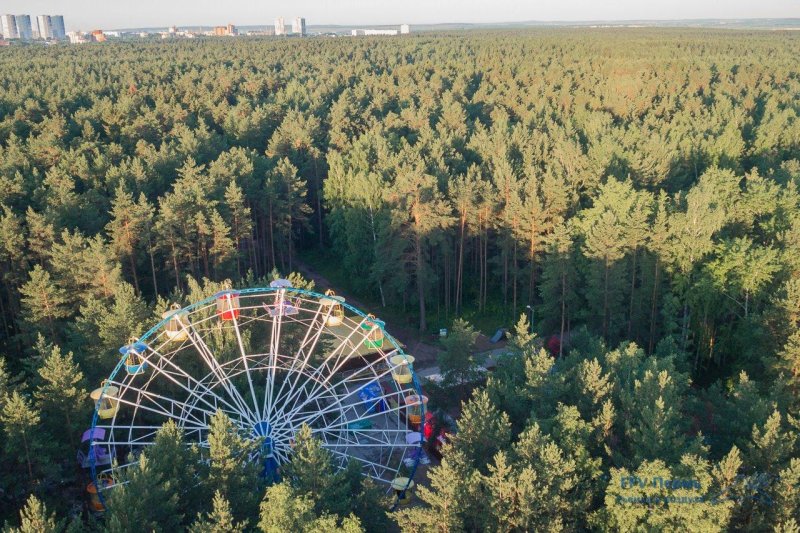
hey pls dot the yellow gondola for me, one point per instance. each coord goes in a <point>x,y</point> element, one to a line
<point>336,315</point>
<point>107,402</point>
<point>176,325</point>
<point>403,489</point>
<point>401,368</point>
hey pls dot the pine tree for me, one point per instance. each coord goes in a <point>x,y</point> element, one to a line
<point>418,213</point>
<point>145,500</point>
<point>558,284</point>
<point>173,460</point>
<point>463,192</point>
<point>40,236</point>
<point>61,395</point>
<point>482,430</point>
<point>457,361</point>
<point>239,219</point>
<point>514,503</point>
<point>311,472</point>
<point>128,228</point>
<point>230,470</point>
<point>453,501</point>
<point>654,505</point>
<point>20,421</point>
<point>604,227</point>
<point>44,304</point>
<point>219,520</point>
<point>35,518</point>
<point>287,211</point>
<point>771,446</point>
<point>282,509</point>
<point>103,328</point>
<point>222,246</point>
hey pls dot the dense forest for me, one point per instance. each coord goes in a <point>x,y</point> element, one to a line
<point>639,189</point>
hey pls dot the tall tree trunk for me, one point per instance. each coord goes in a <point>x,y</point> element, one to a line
<point>27,457</point>
<point>271,236</point>
<point>605,301</point>
<point>420,283</point>
<point>152,263</point>
<point>319,202</point>
<point>653,306</point>
<point>236,242</point>
<point>175,264</point>
<point>133,271</point>
<point>290,245</point>
<point>460,273</point>
<point>505,275</point>
<point>633,288</point>
<point>563,311</point>
<point>481,264</point>
<point>375,252</point>
<point>485,267</point>
<point>514,277</point>
<point>6,332</point>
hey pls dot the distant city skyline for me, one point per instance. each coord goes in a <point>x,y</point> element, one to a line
<point>115,14</point>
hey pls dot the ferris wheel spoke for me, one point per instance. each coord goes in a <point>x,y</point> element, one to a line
<point>159,408</point>
<point>369,367</point>
<point>368,416</point>
<point>274,347</point>
<point>317,372</point>
<point>379,470</point>
<point>343,408</point>
<point>247,370</point>
<point>366,437</point>
<point>180,411</point>
<point>208,357</point>
<point>317,334</point>
<point>180,372</point>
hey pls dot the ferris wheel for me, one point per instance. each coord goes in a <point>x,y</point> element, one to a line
<point>271,359</point>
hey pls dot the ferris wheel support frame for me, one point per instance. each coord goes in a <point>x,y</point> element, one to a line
<point>270,400</point>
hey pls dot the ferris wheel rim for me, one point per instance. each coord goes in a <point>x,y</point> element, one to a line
<point>248,292</point>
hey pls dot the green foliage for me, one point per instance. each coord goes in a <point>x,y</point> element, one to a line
<point>230,470</point>
<point>638,189</point>
<point>35,518</point>
<point>148,501</point>
<point>457,361</point>
<point>284,509</point>
<point>219,520</point>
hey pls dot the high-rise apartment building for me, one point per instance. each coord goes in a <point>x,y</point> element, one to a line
<point>24,28</point>
<point>280,27</point>
<point>299,26</point>
<point>57,26</point>
<point>8,26</point>
<point>44,27</point>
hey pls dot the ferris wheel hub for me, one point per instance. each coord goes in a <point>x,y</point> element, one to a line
<point>262,429</point>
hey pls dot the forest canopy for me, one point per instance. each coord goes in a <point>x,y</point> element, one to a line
<point>637,188</point>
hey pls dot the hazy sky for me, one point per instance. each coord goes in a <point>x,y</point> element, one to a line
<point>109,14</point>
